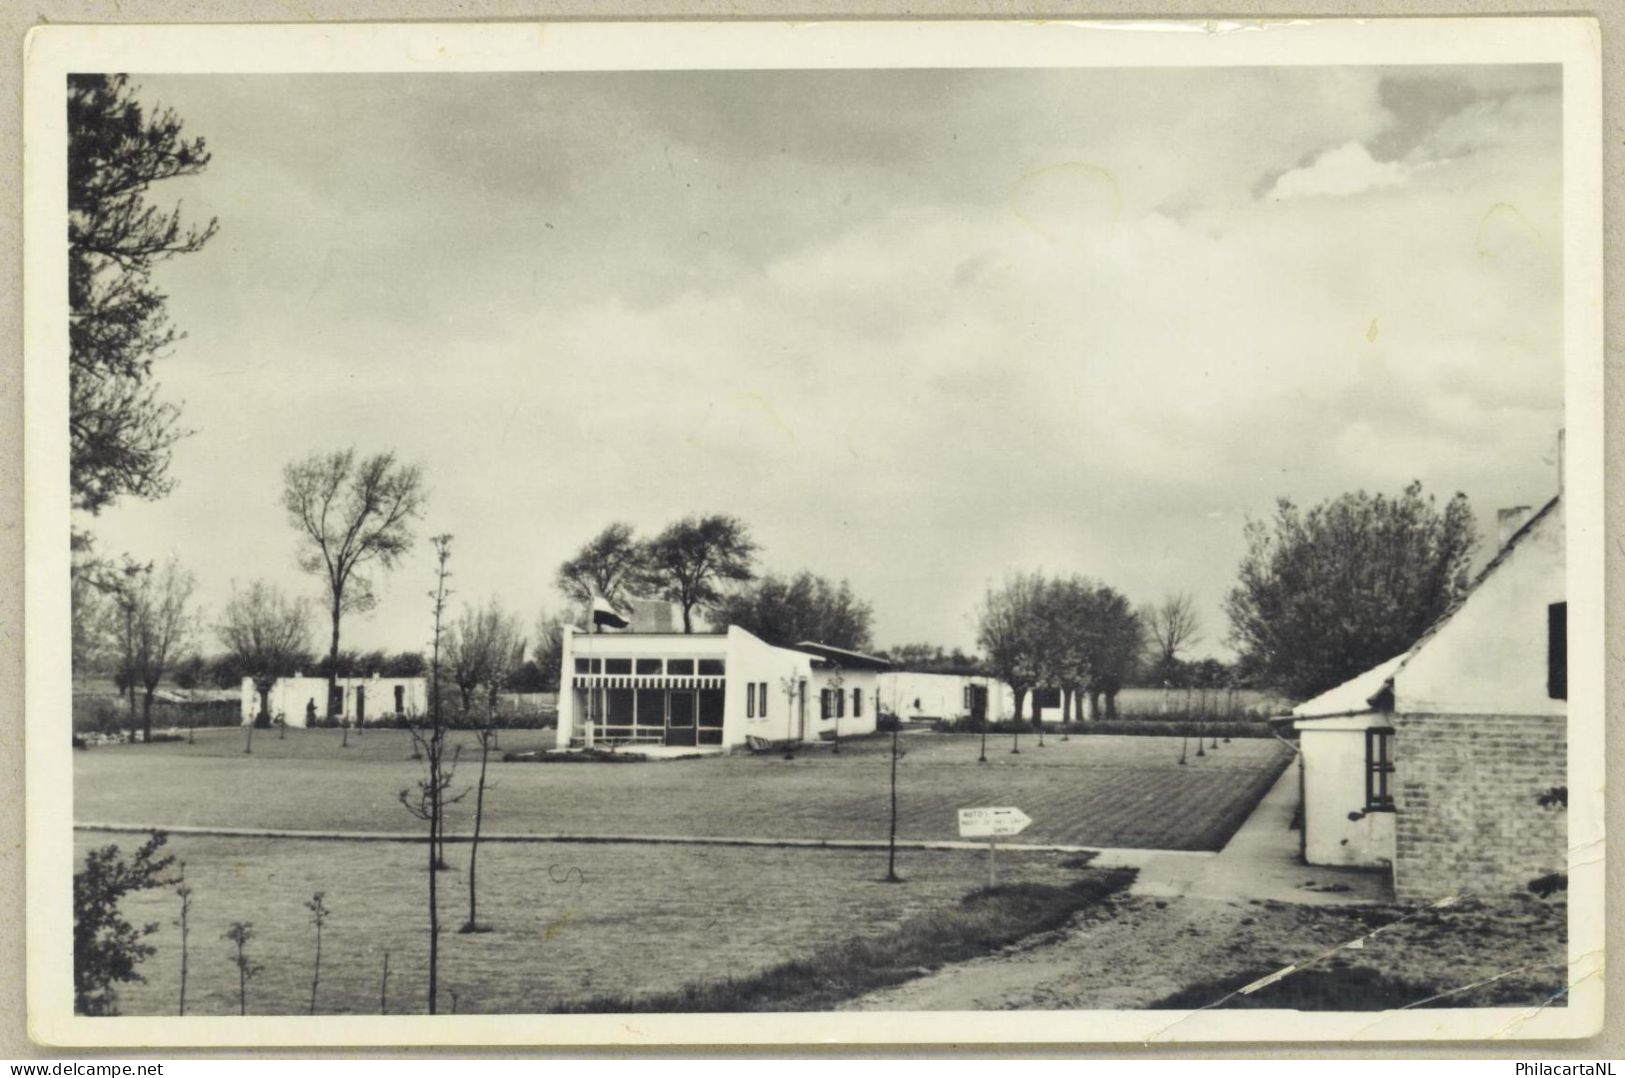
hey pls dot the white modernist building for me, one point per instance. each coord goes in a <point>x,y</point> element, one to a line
<point>717,690</point>
<point>297,700</point>
<point>915,697</point>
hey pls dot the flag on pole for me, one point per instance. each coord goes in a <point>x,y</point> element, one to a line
<point>604,613</point>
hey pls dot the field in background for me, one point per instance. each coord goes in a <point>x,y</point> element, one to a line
<point>1090,791</point>
<point>1211,703</point>
<point>569,922</point>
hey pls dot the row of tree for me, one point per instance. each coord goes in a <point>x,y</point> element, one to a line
<point>1067,633</point>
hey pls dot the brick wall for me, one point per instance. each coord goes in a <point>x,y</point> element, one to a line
<point>1465,791</point>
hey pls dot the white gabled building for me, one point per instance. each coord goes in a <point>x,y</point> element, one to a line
<point>718,690</point>
<point>1436,762</point>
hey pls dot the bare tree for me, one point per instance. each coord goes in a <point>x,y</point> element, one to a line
<point>428,797</point>
<point>791,686</point>
<point>239,934</point>
<point>267,634</point>
<point>1009,629</point>
<point>350,514</point>
<point>603,567</point>
<point>1173,626</point>
<point>689,561</point>
<point>318,918</point>
<point>549,650</point>
<point>490,645</point>
<point>480,650</point>
<point>126,588</point>
<point>161,625</point>
<point>891,834</point>
<point>184,922</point>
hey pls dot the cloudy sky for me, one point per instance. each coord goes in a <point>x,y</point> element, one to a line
<point>917,328</point>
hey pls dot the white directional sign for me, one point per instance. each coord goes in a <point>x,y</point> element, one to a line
<point>992,822</point>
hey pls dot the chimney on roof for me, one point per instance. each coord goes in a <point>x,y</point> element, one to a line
<point>1508,521</point>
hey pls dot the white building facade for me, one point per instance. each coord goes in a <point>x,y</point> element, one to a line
<point>915,697</point>
<point>300,701</point>
<point>720,690</point>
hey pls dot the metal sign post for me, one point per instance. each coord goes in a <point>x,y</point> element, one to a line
<point>990,823</point>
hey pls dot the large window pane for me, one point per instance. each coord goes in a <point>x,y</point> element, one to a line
<point>711,708</point>
<point>652,708</point>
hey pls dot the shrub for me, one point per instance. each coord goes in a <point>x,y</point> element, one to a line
<point>888,722</point>
<point>106,947</point>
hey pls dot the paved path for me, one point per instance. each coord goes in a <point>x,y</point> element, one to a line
<point>1104,857</point>
<point>1261,861</point>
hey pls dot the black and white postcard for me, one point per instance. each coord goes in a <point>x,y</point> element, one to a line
<point>752,533</point>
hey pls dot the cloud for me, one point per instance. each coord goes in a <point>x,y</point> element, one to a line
<point>1348,170</point>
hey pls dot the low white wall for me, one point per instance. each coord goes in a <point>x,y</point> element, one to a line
<point>1334,766</point>
<point>290,698</point>
<point>910,695</point>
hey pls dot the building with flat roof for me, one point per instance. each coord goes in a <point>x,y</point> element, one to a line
<point>719,690</point>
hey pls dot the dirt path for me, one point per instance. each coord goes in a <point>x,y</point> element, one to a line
<point>1129,953</point>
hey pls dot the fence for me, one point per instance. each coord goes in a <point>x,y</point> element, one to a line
<point>97,713</point>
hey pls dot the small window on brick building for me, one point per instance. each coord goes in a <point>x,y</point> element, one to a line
<point>1557,651</point>
<point>750,701</point>
<point>761,699</point>
<point>1379,769</point>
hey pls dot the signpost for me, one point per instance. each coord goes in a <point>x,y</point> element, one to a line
<point>990,823</point>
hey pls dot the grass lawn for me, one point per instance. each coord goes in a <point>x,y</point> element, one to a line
<point>569,922</point>
<point>1096,791</point>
